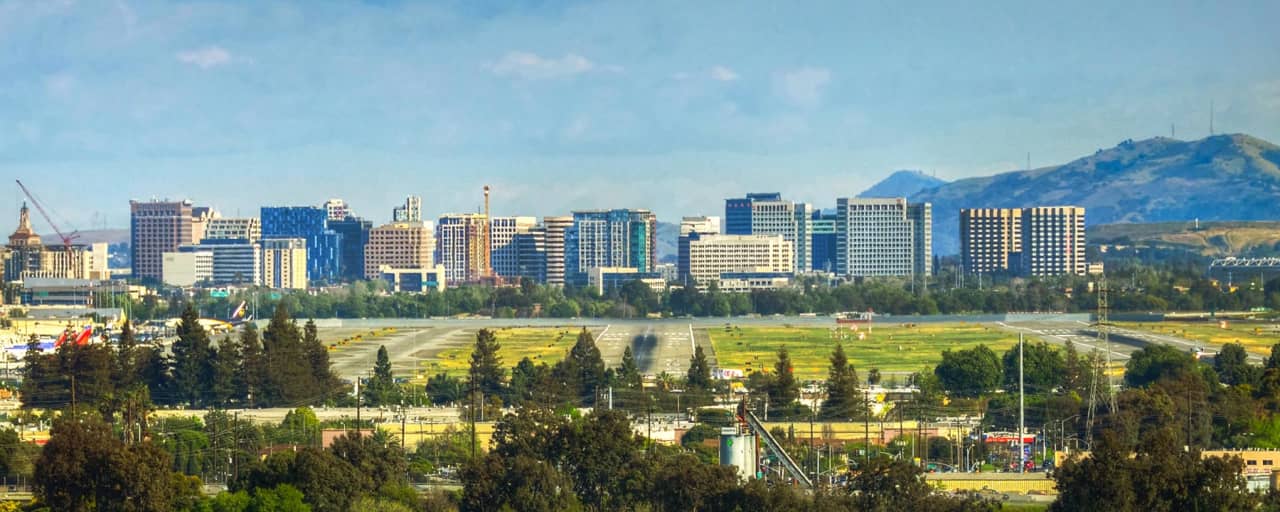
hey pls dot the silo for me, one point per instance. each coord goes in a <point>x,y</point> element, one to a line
<point>738,449</point>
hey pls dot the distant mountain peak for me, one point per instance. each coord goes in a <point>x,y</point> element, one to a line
<point>902,183</point>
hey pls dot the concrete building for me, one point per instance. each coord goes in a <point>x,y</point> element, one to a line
<point>747,282</point>
<point>284,263</point>
<point>531,254</point>
<point>48,291</point>
<point>823,242</point>
<point>157,227</point>
<point>990,239</point>
<point>1052,241</point>
<point>241,228</point>
<point>554,243</point>
<point>324,251</point>
<point>610,239</point>
<point>883,237</point>
<point>413,280</point>
<point>27,257</point>
<point>710,256</point>
<point>410,211</point>
<point>400,245</point>
<point>355,236</point>
<point>604,279</point>
<point>235,260</point>
<point>769,214</point>
<point>462,246</point>
<point>504,252</point>
<point>337,209</point>
<point>188,268</point>
<point>691,227</point>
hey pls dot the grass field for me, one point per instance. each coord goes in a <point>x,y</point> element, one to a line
<point>1257,338</point>
<point>541,344</point>
<point>890,347</point>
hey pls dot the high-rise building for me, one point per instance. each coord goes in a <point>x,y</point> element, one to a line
<point>242,228</point>
<point>400,245</point>
<point>769,214</point>
<point>1053,241</point>
<point>531,254</point>
<point>355,236</point>
<point>883,237</point>
<point>823,242</point>
<point>504,252</point>
<point>26,257</point>
<point>411,211</point>
<point>337,209</point>
<point>324,256</point>
<point>990,239</point>
<point>157,227</point>
<point>554,243</point>
<point>692,227</point>
<point>284,263</point>
<point>235,260</point>
<point>201,216</point>
<point>711,256</point>
<point>461,246</point>
<point>187,268</point>
<point>611,239</point>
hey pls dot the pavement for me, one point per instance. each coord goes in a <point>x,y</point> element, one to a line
<point>1124,342</point>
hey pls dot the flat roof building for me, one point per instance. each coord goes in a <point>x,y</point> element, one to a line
<point>401,245</point>
<point>157,227</point>
<point>284,263</point>
<point>883,237</point>
<point>711,256</point>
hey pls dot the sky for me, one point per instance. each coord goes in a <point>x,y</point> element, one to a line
<point>562,105</point>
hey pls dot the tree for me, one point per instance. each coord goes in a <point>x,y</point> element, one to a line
<point>843,396</point>
<point>1073,371</point>
<point>1233,368</point>
<point>227,369</point>
<point>784,390</point>
<point>287,375</point>
<point>629,372</point>
<point>193,359</point>
<point>699,375</point>
<point>1154,362</point>
<point>381,389</point>
<point>487,373</point>
<point>581,372</point>
<point>318,358</point>
<point>969,373</point>
<point>253,364</point>
<point>873,377</point>
<point>1042,366</point>
<point>443,389</point>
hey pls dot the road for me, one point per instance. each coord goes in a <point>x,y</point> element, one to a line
<point>1124,342</point>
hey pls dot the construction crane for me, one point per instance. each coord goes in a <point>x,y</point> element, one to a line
<point>65,237</point>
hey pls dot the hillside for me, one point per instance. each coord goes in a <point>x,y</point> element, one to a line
<point>1219,178</point>
<point>1212,239</point>
<point>902,184</point>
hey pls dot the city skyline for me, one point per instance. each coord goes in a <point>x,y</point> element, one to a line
<point>140,100</point>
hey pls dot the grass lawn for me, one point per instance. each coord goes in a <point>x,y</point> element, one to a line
<point>889,347</point>
<point>541,344</point>
<point>1257,338</point>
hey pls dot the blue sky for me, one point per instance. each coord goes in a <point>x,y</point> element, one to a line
<point>560,105</point>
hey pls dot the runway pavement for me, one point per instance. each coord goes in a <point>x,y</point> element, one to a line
<point>1124,342</point>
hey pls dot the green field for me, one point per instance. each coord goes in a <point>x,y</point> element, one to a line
<point>1257,338</point>
<point>889,347</point>
<point>540,344</point>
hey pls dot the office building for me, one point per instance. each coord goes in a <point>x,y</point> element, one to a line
<point>711,256</point>
<point>462,246</point>
<point>337,209</point>
<point>823,242</point>
<point>990,239</point>
<point>1052,241</point>
<point>504,252</point>
<point>188,268</point>
<point>610,239</point>
<point>355,236</point>
<point>157,227</point>
<point>410,211</point>
<point>27,257</point>
<point>235,260</point>
<point>531,254</point>
<point>241,228</point>
<point>883,237</point>
<point>769,214</point>
<point>284,263</point>
<point>554,243</point>
<point>400,245</point>
<point>413,280</point>
<point>324,256</point>
<point>604,279</point>
<point>201,216</point>
<point>691,227</point>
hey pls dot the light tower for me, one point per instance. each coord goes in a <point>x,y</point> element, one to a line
<point>486,261</point>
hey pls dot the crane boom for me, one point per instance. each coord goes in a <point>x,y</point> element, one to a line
<point>66,239</point>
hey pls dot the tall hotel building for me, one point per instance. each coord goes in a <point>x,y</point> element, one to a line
<point>610,239</point>
<point>462,246</point>
<point>399,245</point>
<point>157,227</point>
<point>1036,241</point>
<point>769,214</point>
<point>883,237</point>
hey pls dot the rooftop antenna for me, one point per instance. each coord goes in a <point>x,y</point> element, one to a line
<point>1210,117</point>
<point>1173,134</point>
<point>1028,160</point>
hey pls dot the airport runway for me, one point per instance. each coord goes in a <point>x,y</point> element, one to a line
<point>1123,341</point>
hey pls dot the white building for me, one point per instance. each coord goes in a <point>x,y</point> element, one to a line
<point>883,237</point>
<point>186,269</point>
<point>238,228</point>
<point>711,256</point>
<point>337,209</point>
<point>411,211</point>
<point>1052,241</point>
<point>235,261</point>
<point>553,241</point>
<point>461,246</point>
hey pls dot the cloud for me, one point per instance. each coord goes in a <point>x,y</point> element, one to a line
<point>723,74</point>
<point>205,58</point>
<point>531,66</point>
<point>803,86</point>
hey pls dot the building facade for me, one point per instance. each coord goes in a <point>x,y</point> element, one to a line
<point>711,256</point>
<point>769,214</point>
<point>413,280</point>
<point>410,211</point>
<point>284,263</point>
<point>990,239</point>
<point>883,237</point>
<point>610,239</point>
<point>504,251</point>
<point>554,243</point>
<point>1053,241</point>
<point>691,227</point>
<point>462,246</point>
<point>337,209</point>
<point>235,261</point>
<point>531,254</point>
<point>241,228</point>
<point>401,245</point>
<point>823,242</point>
<point>355,236</point>
<point>324,246</point>
<point>188,268</point>
<point>157,227</point>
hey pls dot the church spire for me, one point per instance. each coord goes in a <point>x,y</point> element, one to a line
<point>24,235</point>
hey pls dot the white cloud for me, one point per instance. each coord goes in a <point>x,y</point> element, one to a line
<point>205,58</point>
<point>723,74</point>
<point>532,66</point>
<point>803,86</point>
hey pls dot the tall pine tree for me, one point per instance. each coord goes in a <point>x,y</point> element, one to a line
<point>486,370</point>
<point>784,389</point>
<point>318,357</point>
<point>288,378</point>
<point>381,388</point>
<point>629,371</point>
<point>843,397</point>
<point>252,365</point>
<point>192,359</point>
<point>699,376</point>
<point>582,371</point>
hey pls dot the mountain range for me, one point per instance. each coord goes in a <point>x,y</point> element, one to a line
<point>903,183</point>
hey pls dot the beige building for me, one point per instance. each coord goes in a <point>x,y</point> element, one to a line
<point>413,280</point>
<point>158,227</point>
<point>1036,241</point>
<point>462,246</point>
<point>284,263</point>
<point>602,278</point>
<point>554,243</point>
<point>990,239</point>
<point>504,253</point>
<point>402,245</point>
<point>187,269</point>
<point>28,257</point>
<point>241,228</point>
<point>711,256</point>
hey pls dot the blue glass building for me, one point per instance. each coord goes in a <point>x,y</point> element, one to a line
<point>324,246</point>
<point>355,235</point>
<point>824,241</point>
<point>737,212</point>
<point>609,238</point>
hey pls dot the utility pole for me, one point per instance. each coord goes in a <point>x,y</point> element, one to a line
<point>1022,411</point>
